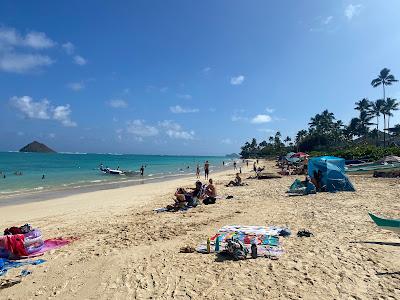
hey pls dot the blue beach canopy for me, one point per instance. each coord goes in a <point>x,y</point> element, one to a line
<point>333,173</point>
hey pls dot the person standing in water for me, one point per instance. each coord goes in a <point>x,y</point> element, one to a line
<point>234,165</point>
<point>206,170</point>
<point>141,170</point>
<point>198,171</point>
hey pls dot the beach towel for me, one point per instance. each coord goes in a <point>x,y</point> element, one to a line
<point>266,239</point>
<point>52,244</point>
<point>6,264</point>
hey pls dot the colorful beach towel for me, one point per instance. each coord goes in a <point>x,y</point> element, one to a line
<point>265,237</point>
<point>6,264</point>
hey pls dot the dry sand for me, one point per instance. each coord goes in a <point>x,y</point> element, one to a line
<point>127,251</point>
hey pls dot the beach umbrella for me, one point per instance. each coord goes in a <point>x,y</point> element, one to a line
<point>299,155</point>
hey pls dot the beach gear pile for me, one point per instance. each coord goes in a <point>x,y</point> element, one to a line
<point>239,241</point>
<point>25,241</point>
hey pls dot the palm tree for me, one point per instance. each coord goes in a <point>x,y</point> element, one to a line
<point>287,139</point>
<point>363,105</point>
<point>390,105</point>
<point>271,139</point>
<point>299,137</point>
<point>376,110</point>
<point>384,79</point>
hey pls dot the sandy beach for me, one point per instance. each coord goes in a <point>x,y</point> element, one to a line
<point>126,251</point>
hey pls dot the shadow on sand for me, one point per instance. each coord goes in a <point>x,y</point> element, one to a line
<point>377,243</point>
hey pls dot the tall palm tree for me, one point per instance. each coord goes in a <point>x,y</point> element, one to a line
<point>384,79</point>
<point>376,110</point>
<point>390,105</point>
<point>287,139</point>
<point>363,105</point>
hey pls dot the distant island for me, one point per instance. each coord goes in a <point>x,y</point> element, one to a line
<point>36,147</point>
<point>232,155</point>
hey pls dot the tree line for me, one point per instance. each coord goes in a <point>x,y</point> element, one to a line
<point>325,132</point>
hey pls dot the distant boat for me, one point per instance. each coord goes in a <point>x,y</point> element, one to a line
<point>388,224</point>
<point>111,171</point>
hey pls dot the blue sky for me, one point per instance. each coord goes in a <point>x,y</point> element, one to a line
<point>185,77</point>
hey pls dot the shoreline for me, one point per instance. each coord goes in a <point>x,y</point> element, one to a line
<point>61,192</point>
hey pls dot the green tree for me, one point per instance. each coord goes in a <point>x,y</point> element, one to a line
<point>363,105</point>
<point>376,110</point>
<point>390,106</point>
<point>384,78</point>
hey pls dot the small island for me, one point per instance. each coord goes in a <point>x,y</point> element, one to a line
<point>36,147</point>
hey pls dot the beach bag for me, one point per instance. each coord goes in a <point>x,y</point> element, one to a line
<point>209,200</point>
<point>236,249</point>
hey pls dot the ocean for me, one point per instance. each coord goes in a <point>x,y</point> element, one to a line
<point>70,170</point>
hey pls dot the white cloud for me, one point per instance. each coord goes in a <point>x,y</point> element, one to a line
<point>168,124</point>
<point>14,61</point>
<point>177,109</point>
<point>30,108</point>
<point>327,20</point>
<point>237,118</point>
<point>184,135</point>
<point>52,135</point>
<point>69,48</point>
<point>38,40</point>
<point>269,110</point>
<point>164,89</point>
<point>20,133</point>
<point>22,63</point>
<point>43,110</point>
<point>140,129</point>
<point>62,114</point>
<point>79,60</point>
<point>76,86</point>
<point>10,38</point>
<point>175,131</point>
<point>352,11</point>
<point>259,119</point>
<point>226,141</point>
<point>184,96</point>
<point>237,80</point>
<point>117,103</point>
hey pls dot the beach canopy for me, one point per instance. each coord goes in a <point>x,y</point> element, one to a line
<point>333,173</point>
<point>299,155</point>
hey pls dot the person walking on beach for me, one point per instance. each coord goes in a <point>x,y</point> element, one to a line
<point>234,165</point>
<point>254,167</point>
<point>206,170</point>
<point>198,171</point>
<point>141,170</point>
<point>247,163</point>
<point>223,163</point>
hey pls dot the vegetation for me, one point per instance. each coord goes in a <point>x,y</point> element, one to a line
<point>361,138</point>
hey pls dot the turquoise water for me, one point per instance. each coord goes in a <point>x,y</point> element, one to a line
<point>77,170</point>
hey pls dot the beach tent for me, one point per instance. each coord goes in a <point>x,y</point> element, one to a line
<point>333,173</point>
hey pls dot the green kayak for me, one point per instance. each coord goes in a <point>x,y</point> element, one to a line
<point>388,224</point>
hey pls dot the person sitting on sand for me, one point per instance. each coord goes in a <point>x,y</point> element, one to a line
<point>316,179</point>
<point>236,182</point>
<point>210,193</point>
